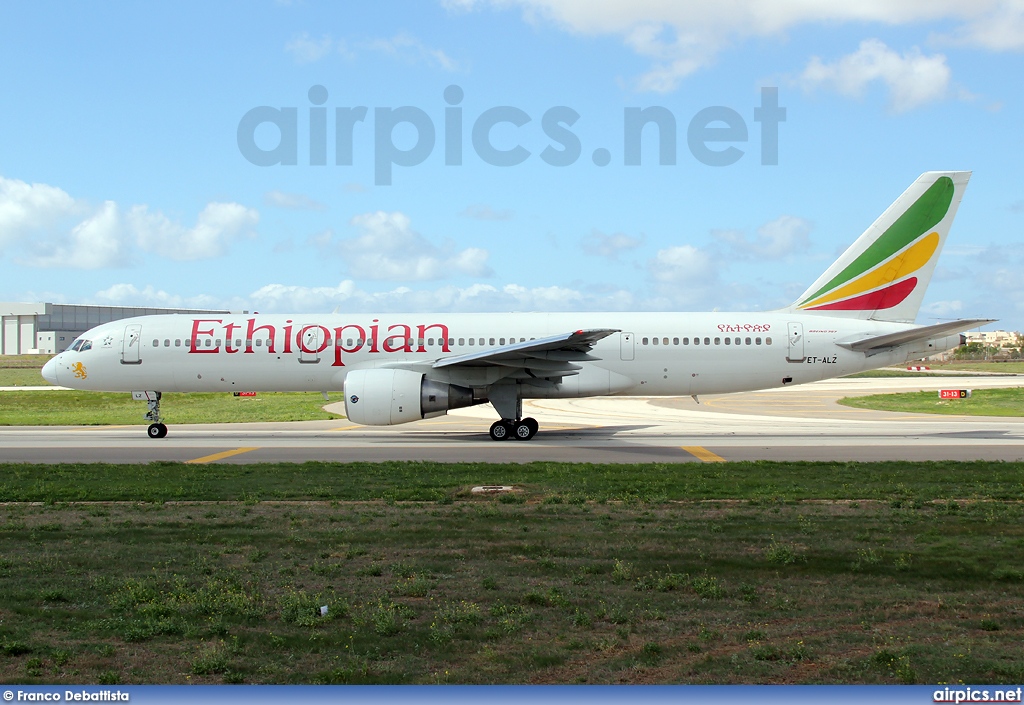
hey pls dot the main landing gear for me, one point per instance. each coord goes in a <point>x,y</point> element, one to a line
<point>157,429</point>
<point>522,430</point>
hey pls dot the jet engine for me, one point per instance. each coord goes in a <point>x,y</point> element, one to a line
<point>382,397</point>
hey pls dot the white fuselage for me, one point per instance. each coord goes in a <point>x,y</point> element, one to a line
<point>654,354</point>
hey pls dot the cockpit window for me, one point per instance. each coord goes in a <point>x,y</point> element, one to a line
<point>86,345</point>
<point>75,346</point>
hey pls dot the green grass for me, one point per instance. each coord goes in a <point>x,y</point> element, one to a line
<point>553,483</point>
<point>74,408</point>
<point>22,378</point>
<point>983,402</point>
<point>1010,366</point>
<point>22,370</point>
<point>478,590</point>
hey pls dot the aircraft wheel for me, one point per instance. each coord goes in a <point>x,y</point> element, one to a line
<point>501,430</point>
<point>157,430</point>
<point>533,425</point>
<point>524,430</point>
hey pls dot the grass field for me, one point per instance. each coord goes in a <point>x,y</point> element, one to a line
<point>982,402</point>
<point>22,370</point>
<point>73,408</point>
<point>894,573</point>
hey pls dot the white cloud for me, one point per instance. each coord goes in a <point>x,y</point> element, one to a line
<point>305,49</point>
<point>683,36</point>
<point>682,264</point>
<point>95,243</point>
<point>610,245</point>
<point>388,248</point>
<point>408,48</point>
<point>912,78</point>
<point>130,295</point>
<point>942,309</point>
<point>1000,29</point>
<point>31,207</point>
<point>482,211</point>
<point>402,46</point>
<point>43,226</point>
<point>785,236</point>
<point>216,227</point>
<point>346,296</point>
<point>292,201</point>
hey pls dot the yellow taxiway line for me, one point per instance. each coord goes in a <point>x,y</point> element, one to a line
<point>703,454</point>
<point>218,456</point>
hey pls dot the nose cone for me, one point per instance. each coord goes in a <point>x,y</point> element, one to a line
<point>49,371</point>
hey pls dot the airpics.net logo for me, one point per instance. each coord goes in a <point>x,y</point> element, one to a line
<point>712,134</point>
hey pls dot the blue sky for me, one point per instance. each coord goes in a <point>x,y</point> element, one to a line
<point>122,180</point>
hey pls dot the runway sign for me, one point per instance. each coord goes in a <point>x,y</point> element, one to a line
<point>954,393</point>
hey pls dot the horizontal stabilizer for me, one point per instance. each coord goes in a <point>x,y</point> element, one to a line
<point>913,335</point>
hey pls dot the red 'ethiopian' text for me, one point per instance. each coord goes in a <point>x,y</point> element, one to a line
<point>313,339</point>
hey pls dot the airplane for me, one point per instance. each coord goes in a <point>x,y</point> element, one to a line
<point>396,368</point>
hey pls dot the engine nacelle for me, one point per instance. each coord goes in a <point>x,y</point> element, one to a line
<point>383,397</point>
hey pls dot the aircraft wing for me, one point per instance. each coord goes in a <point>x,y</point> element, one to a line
<point>544,357</point>
<point>875,343</point>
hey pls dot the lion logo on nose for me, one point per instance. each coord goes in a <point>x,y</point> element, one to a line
<point>79,369</point>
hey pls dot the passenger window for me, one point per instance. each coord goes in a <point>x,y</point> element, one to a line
<point>472,341</point>
<point>462,341</point>
<point>748,341</point>
<point>757,341</point>
<point>167,342</point>
<point>238,342</point>
<point>177,342</point>
<point>492,341</point>
<point>259,342</point>
<point>654,341</point>
<point>686,341</point>
<point>675,341</point>
<point>430,341</point>
<point>209,343</point>
<point>501,341</point>
<point>717,341</point>
<point>696,341</point>
<point>644,341</point>
<point>767,341</point>
<point>481,341</point>
<point>728,341</point>
<point>218,342</point>
<point>156,343</point>
<point>359,342</point>
<point>451,342</point>
<point>707,341</point>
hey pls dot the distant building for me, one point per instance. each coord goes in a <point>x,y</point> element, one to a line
<point>44,328</point>
<point>994,338</point>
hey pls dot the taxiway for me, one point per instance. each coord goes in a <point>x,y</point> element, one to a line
<point>802,423</point>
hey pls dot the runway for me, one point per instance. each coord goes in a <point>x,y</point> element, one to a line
<point>801,423</point>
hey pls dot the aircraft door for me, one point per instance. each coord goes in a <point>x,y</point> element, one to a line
<point>131,346</point>
<point>796,343</point>
<point>311,344</point>
<point>626,346</point>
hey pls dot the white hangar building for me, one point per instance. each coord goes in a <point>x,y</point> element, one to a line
<point>44,328</point>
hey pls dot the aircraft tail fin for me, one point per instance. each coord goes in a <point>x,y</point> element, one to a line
<point>884,274</point>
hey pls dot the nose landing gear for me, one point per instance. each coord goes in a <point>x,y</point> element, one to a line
<point>157,429</point>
